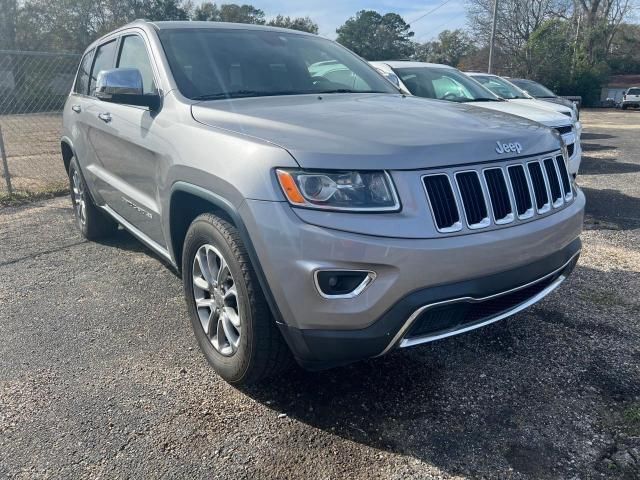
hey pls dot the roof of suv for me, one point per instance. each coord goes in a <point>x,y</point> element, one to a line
<point>171,25</point>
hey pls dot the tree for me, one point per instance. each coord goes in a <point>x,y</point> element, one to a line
<point>8,16</point>
<point>377,37</point>
<point>230,12</point>
<point>450,48</point>
<point>304,24</point>
<point>625,50</point>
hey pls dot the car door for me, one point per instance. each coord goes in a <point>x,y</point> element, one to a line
<point>129,150</point>
<point>76,105</point>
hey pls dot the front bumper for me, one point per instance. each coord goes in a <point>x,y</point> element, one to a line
<point>422,270</point>
<point>400,326</point>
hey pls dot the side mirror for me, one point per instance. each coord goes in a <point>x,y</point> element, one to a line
<point>124,85</point>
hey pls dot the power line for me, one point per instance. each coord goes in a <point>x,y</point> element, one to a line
<point>429,12</point>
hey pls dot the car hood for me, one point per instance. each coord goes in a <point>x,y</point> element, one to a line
<point>555,107</point>
<point>372,131</point>
<point>542,115</point>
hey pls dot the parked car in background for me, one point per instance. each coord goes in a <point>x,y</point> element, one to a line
<point>631,98</point>
<point>443,82</point>
<point>320,215</point>
<point>509,91</point>
<point>539,91</point>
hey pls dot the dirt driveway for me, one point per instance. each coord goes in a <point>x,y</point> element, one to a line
<point>100,375</point>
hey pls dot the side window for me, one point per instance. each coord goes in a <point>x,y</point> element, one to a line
<point>133,54</point>
<point>103,61</point>
<point>82,80</point>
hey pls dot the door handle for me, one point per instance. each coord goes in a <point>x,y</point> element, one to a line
<point>76,108</point>
<point>105,117</point>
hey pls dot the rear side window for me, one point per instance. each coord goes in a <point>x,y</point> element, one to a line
<point>82,80</point>
<point>103,61</point>
<point>133,54</point>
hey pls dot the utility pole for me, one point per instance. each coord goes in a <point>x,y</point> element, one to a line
<point>493,35</point>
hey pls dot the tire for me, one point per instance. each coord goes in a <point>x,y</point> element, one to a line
<point>624,107</point>
<point>92,223</point>
<point>245,346</point>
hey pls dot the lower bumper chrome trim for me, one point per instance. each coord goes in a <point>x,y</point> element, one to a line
<point>401,342</point>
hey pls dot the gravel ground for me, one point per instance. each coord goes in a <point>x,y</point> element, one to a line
<point>101,377</point>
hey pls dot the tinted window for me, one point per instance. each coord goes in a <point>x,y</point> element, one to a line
<point>634,91</point>
<point>443,84</point>
<point>103,61</point>
<point>82,80</point>
<point>133,54</point>
<point>534,88</point>
<point>222,63</point>
<point>500,87</point>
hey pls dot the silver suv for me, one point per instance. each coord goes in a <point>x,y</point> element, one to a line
<point>314,213</point>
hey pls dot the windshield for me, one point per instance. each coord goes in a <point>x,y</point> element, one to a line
<point>443,84</point>
<point>218,63</point>
<point>634,91</point>
<point>534,88</point>
<point>500,87</point>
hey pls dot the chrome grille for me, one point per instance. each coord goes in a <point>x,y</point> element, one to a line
<point>499,194</point>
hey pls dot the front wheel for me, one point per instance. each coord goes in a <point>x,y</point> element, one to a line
<point>229,314</point>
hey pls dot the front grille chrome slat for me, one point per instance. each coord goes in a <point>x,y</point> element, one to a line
<point>540,188</point>
<point>443,203</point>
<point>495,195</point>
<point>473,199</point>
<point>499,196</point>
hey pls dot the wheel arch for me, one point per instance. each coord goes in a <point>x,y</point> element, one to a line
<point>66,148</point>
<point>187,202</point>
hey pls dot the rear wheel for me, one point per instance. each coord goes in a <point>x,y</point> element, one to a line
<point>229,314</point>
<point>93,223</point>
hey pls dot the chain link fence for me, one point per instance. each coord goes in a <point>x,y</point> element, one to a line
<point>33,89</point>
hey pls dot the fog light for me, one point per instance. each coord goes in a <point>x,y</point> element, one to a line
<point>342,283</point>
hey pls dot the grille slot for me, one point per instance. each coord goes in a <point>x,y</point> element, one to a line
<point>554,182</point>
<point>539,187</point>
<point>564,130</point>
<point>475,207</point>
<point>564,176</point>
<point>570,149</point>
<point>521,192</point>
<point>499,195</point>
<point>443,203</point>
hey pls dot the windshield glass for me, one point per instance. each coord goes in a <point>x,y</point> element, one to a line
<point>634,91</point>
<point>534,88</point>
<point>443,84</point>
<point>217,63</point>
<point>500,87</point>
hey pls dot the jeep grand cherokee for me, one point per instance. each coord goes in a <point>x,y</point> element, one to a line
<point>323,217</point>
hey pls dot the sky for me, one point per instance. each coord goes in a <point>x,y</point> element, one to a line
<point>330,14</point>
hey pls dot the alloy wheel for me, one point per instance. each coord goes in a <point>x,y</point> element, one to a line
<point>216,298</point>
<point>79,201</point>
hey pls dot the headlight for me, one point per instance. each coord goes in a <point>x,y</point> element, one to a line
<point>353,191</point>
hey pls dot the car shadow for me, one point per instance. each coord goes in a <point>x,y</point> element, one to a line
<point>596,136</point>
<point>606,166</point>
<point>597,147</point>
<point>497,396</point>
<point>610,209</point>
<point>122,239</point>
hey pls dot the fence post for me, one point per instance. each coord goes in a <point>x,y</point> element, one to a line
<point>5,165</point>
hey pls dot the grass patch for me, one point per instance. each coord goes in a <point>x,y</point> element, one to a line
<point>21,198</point>
<point>631,418</point>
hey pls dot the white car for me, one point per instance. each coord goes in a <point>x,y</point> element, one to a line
<point>447,83</point>
<point>631,98</point>
<point>509,91</point>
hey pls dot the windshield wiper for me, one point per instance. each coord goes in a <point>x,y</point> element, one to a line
<point>347,90</point>
<point>243,94</point>
<point>487,99</point>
